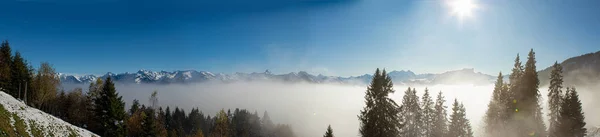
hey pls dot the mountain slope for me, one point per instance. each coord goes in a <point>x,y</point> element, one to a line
<point>29,121</point>
<point>580,70</point>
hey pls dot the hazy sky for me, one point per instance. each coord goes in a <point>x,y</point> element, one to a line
<point>336,37</point>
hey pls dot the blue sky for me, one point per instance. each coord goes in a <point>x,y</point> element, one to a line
<point>337,37</point>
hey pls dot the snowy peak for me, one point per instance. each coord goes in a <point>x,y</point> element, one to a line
<point>406,77</point>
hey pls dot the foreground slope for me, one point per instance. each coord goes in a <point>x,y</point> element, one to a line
<point>18,119</point>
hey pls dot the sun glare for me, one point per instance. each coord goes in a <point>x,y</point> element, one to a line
<point>462,8</point>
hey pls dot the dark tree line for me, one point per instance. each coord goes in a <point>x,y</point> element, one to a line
<point>382,117</point>
<point>102,110</point>
<point>515,107</point>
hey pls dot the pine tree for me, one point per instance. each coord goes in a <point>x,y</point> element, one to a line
<point>440,121</point>
<point>149,126</point>
<point>380,115</point>
<point>110,111</point>
<point>267,125</point>
<point>493,120</point>
<point>555,98</point>
<point>411,112</point>
<point>221,128</point>
<point>20,75</point>
<point>514,87</point>
<point>571,120</point>
<point>93,93</point>
<point>529,116</point>
<point>135,123</point>
<point>5,66</point>
<point>329,132</point>
<point>135,106</point>
<point>428,114</point>
<point>459,124</point>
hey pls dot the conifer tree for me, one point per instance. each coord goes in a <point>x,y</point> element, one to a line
<point>135,123</point>
<point>529,116</point>
<point>571,120</point>
<point>135,106</point>
<point>440,121</point>
<point>110,111</point>
<point>428,114</point>
<point>149,126</point>
<point>21,75</point>
<point>493,122</point>
<point>555,98</point>
<point>5,66</point>
<point>221,128</point>
<point>459,124</point>
<point>93,93</point>
<point>411,112</point>
<point>267,125</point>
<point>329,132</point>
<point>380,116</point>
<point>514,88</point>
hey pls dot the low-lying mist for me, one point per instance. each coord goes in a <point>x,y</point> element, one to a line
<point>309,108</point>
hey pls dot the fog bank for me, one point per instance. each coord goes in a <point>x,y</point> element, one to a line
<point>309,108</point>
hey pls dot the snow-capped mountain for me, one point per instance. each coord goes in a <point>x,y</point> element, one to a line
<point>192,76</point>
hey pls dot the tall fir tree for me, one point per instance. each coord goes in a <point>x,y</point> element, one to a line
<point>496,108</point>
<point>459,124</point>
<point>440,121</point>
<point>411,112</point>
<point>428,114</point>
<point>329,132</point>
<point>149,125</point>
<point>110,111</point>
<point>514,88</point>
<point>21,75</point>
<point>529,115</point>
<point>554,98</point>
<point>571,120</point>
<point>5,66</point>
<point>380,115</point>
<point>267,125</point>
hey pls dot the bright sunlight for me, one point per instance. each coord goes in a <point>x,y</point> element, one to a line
<point>462,8</point>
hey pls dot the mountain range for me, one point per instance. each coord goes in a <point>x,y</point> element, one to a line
<point>463,76</point>
<point>584,69</point>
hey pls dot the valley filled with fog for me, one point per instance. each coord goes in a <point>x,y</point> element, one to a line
<point>309,108</point>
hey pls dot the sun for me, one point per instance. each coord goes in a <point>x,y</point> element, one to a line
<point>462,8</point>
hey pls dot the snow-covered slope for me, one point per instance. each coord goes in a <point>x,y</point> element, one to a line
<point>193,76</point>
<point>35,119</point>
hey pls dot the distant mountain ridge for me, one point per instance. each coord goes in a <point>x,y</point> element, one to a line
<point>584,69</point>
<point>579,70</point>
<point>463,76</point>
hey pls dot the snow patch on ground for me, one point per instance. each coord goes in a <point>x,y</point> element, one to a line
<point>50,124</point>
